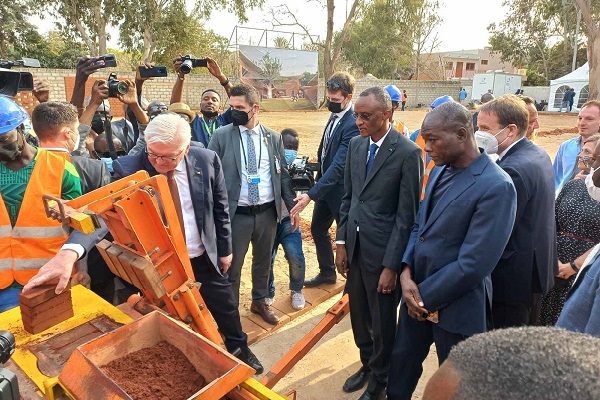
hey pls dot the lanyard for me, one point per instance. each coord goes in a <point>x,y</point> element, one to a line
<point>209,129</point>
<point>249,137</point>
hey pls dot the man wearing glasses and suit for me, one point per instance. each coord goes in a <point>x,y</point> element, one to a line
<point>328,190</point>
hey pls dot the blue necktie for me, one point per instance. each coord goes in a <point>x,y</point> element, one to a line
<point>252,170</point>
<point>372,151</point>
<point>327,137</point>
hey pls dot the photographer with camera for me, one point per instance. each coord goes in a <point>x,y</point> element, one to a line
<point>290,239</point>
<point>203,125</point>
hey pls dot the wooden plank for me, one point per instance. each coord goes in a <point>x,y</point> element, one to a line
<point>148,275</point>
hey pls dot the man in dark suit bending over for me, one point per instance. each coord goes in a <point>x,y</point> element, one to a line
<point>202,199</point>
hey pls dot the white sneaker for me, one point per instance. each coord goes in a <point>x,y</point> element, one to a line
<point>298,301</point>
<point>269,301</point>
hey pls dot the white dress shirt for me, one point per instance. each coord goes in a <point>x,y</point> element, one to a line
<point>265,186</point>
<point>193,241</point>
<point>501,155</point>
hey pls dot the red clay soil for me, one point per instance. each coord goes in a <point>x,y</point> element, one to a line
<point>158,372</point>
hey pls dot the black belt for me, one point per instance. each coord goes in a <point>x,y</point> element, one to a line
<point>254,210</point>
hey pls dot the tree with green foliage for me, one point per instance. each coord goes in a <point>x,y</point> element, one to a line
<point>375,42</point>
<point>16,33</point>
<point>156,23</point>
<point>329,49</point>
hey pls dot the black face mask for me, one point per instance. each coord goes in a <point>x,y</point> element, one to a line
<point>11,151</point>
<point>209,114</point>
<point>98,124</point>
<point>239,117</point>
<point>334,107</point>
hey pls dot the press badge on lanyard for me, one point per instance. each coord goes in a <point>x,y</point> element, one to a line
<point>253,178</point>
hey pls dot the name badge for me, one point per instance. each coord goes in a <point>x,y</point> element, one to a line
<point>277,165</point>
<point>254,179</point>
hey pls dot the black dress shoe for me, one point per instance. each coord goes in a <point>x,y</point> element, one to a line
<point>373,392</point>
<point>249,358</point>
<point>357,381</point>
<point>320,279</point>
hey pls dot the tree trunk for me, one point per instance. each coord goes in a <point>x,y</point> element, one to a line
<point>592,31</point>
<point>84,35</point>
<point>101,34</point>
<point>149,45</point>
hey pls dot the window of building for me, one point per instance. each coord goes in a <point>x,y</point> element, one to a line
<point>449,65</point>
<point>484,62</point>
<point>470,66</point>
<point>558,95</point>
<point>584,96</point>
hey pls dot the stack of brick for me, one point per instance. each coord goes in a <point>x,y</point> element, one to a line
<point>42,308</point>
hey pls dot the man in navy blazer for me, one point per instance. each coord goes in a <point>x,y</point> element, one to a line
<point>328,191</point>
<point>460,231</point>
<point>200,182</point>
<point>529,263</point>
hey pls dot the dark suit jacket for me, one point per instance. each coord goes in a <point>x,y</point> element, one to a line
<point>383,203</point>
<point>208,194</point>
<point>93,174</point>
<point>226,142</point>
<point>453,251</point>
<point>531,249</point>
<point>330,182</point>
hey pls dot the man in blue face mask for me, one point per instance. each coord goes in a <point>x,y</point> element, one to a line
<point>290,239</point>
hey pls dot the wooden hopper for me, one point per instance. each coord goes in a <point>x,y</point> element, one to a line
<point>83,378</point>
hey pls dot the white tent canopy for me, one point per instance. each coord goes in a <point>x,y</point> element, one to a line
<point>578,80</point>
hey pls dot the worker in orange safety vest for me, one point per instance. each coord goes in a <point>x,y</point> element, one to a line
<point>33,248</point>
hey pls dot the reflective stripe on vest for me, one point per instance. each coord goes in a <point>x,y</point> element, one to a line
<point>428,166</point>
<point>34,239</point>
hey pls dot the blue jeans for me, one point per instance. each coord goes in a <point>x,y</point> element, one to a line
<point>292,247</point>
<point>564,104</point>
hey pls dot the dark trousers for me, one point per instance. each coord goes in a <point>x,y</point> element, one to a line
<point>259,230</point>
<point>373,317</point>
<point>411,347</point>
<point>324,213</point>
<point>403,104</point>
<point>507,315</point>
<point>218,296</point>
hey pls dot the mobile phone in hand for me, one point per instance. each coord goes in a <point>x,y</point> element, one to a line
<point>154,72</point>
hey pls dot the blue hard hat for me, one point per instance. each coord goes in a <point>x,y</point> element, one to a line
<point>441,100</point>
<point>11,115</point>
<point>394,93</point>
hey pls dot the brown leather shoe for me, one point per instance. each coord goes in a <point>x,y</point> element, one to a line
<point>261,308</point>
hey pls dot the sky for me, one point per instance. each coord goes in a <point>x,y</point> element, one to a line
<point>464,23</point>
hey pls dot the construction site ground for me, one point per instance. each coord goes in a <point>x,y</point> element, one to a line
<point>323,371</point>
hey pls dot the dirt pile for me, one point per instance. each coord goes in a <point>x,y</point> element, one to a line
<point>158,372</point>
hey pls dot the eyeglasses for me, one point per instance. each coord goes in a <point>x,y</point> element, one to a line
<point>166,159</point>
<point>365,116</point>
<point>333,85</point>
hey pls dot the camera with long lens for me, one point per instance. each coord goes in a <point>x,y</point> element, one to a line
<point>115,86</point>
<point>9,387</point>
<point>12,82</point>
<point>302,173</point>
<point>189,63</point>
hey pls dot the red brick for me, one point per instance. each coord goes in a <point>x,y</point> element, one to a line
<point>47,309</point>
<point>39,294</point>
<point>42,326</point>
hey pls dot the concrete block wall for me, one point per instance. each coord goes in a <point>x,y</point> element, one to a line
<point>61,86</point>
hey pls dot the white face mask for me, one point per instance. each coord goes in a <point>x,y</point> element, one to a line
<point>75,142</point>
<point>488,141</point>
<point>593,190</point>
